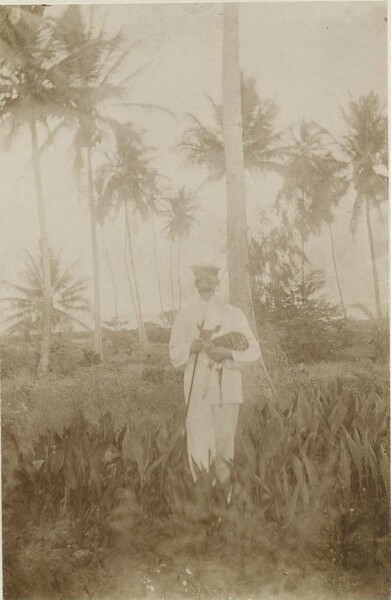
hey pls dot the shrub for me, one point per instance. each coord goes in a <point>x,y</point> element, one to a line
<point>90,358</point>
<point>16,355</point>
<point>64,357</point>
<point>77,473</point>
<point>310,328</point>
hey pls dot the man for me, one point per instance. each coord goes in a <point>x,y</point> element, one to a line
<point>216,392</point>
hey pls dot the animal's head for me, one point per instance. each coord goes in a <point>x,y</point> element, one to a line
<point>206,334</point>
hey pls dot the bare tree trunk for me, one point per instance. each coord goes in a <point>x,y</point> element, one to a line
<point>179,274</point>
<point>132,295</point>
<point>156,264</point>
<point>172,277</point>
<point>373,260</point>
<point>237,242</point>
<point>113,281</point>
<point>139,314</point>
<point>45,254</point>
<point>97,345</point>
<point>336,271</point>
<point>302,267</point>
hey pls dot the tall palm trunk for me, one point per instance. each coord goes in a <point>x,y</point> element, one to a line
<point>129,278</point>
<point>172,277</point>
<point>373,260</point>
<point>45,253</point>
<point>157,264</point>
<point>302,268</point>
<point>336,271</point>
<point>139,314</point>
<point>113,281</point>
<point>97,345</point>
<point>179,273</point>
<point>237,242</point>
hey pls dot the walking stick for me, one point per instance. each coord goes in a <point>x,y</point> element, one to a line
<point>193,374</point>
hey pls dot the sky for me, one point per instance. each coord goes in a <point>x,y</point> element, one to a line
<point>310,58</point>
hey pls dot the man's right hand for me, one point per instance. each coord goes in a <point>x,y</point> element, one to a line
<point>196,346</point>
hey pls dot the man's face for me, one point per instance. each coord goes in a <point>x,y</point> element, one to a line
<point>206,284</point>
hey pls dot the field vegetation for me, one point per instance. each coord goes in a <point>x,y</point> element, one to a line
<point>97,489</point>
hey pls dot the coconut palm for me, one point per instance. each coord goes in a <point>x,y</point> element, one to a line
<point>110,267</point>
<point>237,242</point>
<point>32,89</point>
<point>94,63</point>
<point>365,145</point>
<point>15,23</point>
<point>127,183</point>
<point>242,135</point>
<point>203,146</point>
<point>313,182</point>
<point>156,210</point>
<point>179,219</point>
<point>92,60</point>
<point>67,297</point>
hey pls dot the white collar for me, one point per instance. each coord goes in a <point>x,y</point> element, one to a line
<point>214,300</point>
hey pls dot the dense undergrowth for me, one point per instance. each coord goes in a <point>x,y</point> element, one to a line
<point>96,463</point>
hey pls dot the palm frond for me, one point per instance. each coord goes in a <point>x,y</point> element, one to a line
<point>146,106</point>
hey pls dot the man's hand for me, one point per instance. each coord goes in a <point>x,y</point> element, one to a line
<point>196,346</point>
<point>217,353</point>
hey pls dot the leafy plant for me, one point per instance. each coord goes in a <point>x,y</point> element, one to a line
<point>309,327</point>
<point>316,469</point>
<point>67,297</point>
<point>77,474</point>
<point>90,357</point>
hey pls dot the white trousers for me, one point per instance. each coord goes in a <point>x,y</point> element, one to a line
<point>211,436</point>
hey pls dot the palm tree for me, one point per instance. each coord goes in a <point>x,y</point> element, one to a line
<point>242,135</point>
<point>203,146</point>
<point>156,209</point>
<point>92,62</point>
<point>336,270</point>
<point>67,297</point>
<point>111,270</point>
<point>15,22</point>
<point>237,242</point>
<point>365,145</point>
<point>313,182</point>
<point>128,182</point>
<point>179,218</point>
<point>31,94</point>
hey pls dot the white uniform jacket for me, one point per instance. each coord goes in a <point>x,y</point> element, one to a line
<point>209,385</point>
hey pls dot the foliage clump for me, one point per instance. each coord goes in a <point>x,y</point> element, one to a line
<point>318,465</point>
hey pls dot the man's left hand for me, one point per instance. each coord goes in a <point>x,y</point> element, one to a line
<point>218,353</point>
